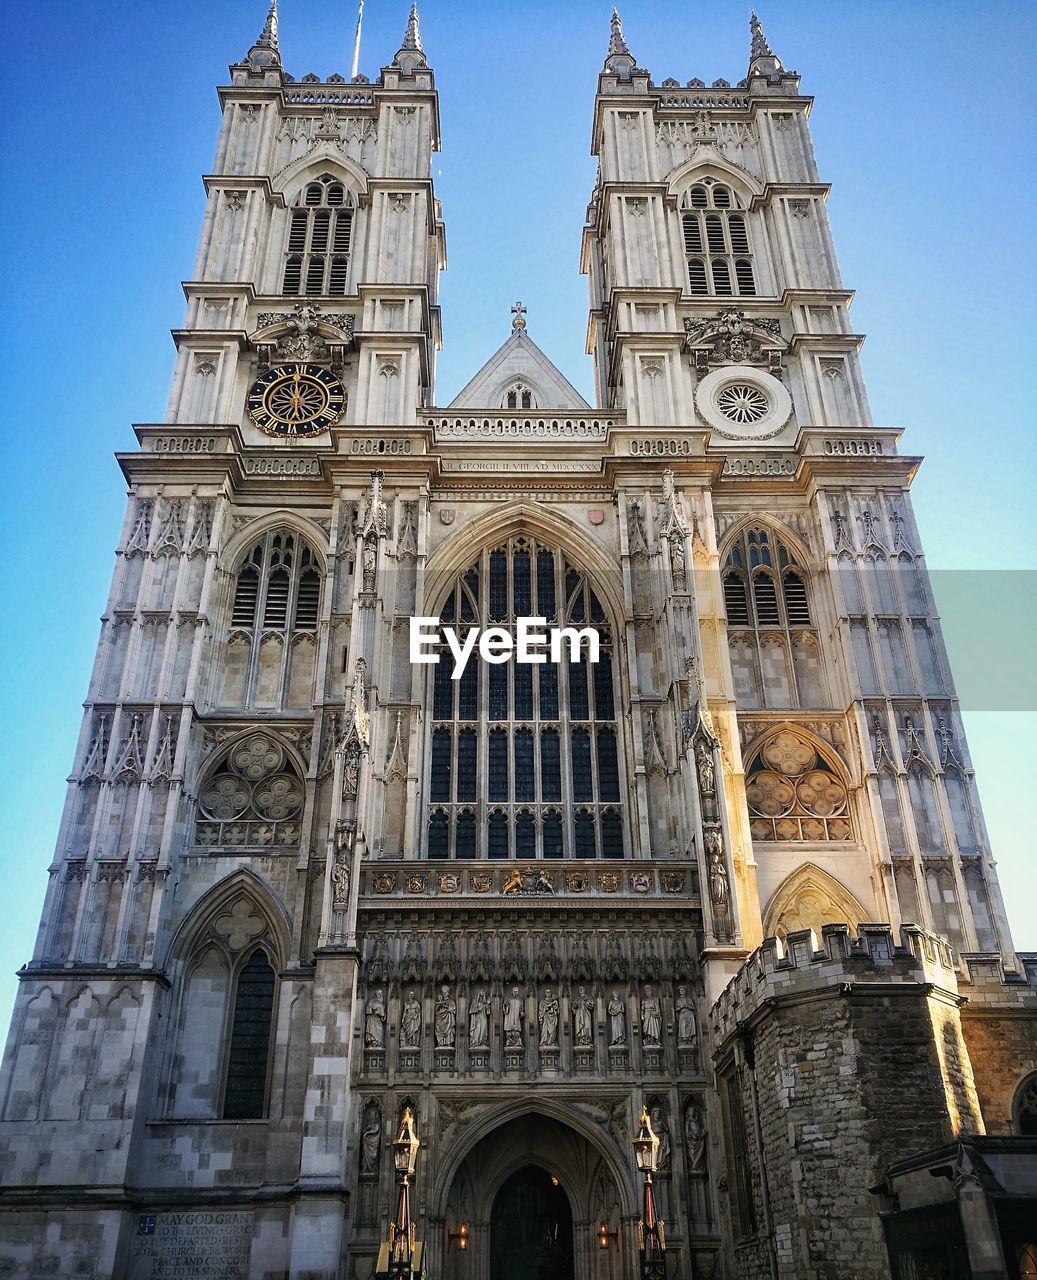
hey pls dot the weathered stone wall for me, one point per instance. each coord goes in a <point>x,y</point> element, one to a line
<point>999,1024</point>
<point>855,1056</point>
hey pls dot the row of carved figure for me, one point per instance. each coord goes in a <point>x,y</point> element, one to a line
<point>513,1018</point>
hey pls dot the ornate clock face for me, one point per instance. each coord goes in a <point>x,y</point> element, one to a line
<point>296,401</point>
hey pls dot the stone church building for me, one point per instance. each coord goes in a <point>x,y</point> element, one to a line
<point>734,872</point>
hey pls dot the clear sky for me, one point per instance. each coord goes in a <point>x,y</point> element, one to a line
<point>924,123</point>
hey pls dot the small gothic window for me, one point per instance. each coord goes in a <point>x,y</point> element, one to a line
<point>1024,1109</point>
<point>794,794</point>
<point>774,652</point>
<point>244,1096</point>
<point>519,396</point>
<point>525,758</point>
<point>723,232</point>
<point>320,232</point>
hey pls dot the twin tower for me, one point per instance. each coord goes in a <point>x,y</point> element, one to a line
<point>303,883</point>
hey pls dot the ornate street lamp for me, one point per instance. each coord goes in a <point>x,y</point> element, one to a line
<point>402,1258</point>
<point>651,1239</point>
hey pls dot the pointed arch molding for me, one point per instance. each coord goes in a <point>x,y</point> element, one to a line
<point>824,749</point>
<point>707,162</point>
<point>211,763</point>
<point>482,1126</point>
<point>454,556</point>
<point>240,542</point>
<point>758,520</point>
<point>325,158</point>
<point>219,900</point>
<point>811,879</point>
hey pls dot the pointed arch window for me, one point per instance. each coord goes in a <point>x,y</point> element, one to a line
<point>320,235</point>
<point>222,1030</point>
<point>716,242</point>
<point>525,759</point>
<point>774,648</point>
<point>248,1054</point>
<point>274,616</point>
<point>519,396</point>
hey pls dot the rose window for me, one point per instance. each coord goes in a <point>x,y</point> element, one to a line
<point>743,403</point>
<point>253,800</point>
<point>793,794</point>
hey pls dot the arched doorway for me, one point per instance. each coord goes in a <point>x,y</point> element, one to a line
<point>525,1172</point>
<point>531,1228</point>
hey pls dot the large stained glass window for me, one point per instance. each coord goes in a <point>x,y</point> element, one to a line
<point>525,758</point>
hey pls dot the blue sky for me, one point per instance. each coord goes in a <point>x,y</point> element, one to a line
<point>924,124</point>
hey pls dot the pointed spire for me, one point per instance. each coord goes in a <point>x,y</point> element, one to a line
<point>762,58</point>
<point>760,49</point>
<point>617,41</point>
<point>620,61</point>
<point>412,37</point>
<point>266,51</point>
<point>411,54</point>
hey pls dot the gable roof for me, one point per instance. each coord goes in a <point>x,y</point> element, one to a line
<point>519,360</point>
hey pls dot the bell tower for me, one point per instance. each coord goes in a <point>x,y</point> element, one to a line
<point>213,797</point>
<point>718,314</point>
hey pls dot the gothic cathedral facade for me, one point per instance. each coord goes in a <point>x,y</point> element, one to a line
<point>303,882</point>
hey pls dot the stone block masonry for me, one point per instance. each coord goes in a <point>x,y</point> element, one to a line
<point>833,1063</point>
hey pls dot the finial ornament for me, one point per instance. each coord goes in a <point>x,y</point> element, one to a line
<point>519,312</point>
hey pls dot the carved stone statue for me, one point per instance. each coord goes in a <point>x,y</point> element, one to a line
<point>583,1015</point>
<point>547,1016</point>
<point>694,1138</point>
<point>445,1019</point>
<point>514,1012</point>
<point>617,1020</point>
<point>374,1028</point>
<point>410,1022</point>
<point>370,1142</point>
<point>479,1022</point>
<point>718,881</point>
<point>340,884</point>
<point>662,1132</point>
<point>651,1018</point>
<point>718,886</point>
<point>370,564</point>
<point>687,1030</point>
<point>707,774</point>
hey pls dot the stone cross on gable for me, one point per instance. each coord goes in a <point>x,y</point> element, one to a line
<point>519,312</point>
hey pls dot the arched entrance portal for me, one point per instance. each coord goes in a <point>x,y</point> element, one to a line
<point>533,1191</point>
<point>531,1228</point>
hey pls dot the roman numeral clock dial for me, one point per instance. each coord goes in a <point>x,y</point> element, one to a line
<point>296,401</point>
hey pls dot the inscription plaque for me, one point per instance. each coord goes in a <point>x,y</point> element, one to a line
<point>202,1245</point>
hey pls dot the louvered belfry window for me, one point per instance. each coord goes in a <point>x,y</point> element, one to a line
<point>320,232</point>
<point>525,758</point>
<point>716,243</point>
<point>771,635</point>
<point>274,617</point>
<point>278,587</point>
<point>763,585</point>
